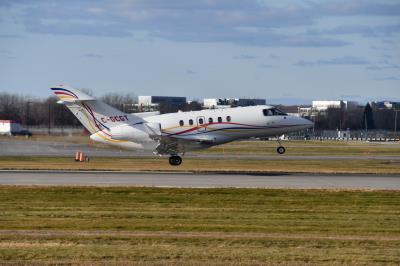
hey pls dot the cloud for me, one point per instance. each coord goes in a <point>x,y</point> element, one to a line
<point>244,56</point>
<point>266,66</point>
<point>9,36</point>
<point>387,78</point>
<point>366,31</point>
<point>95,56</point>
<point>345,60</point>
<point>383,66</point>
<point>375,68</point>
<point>7,54</point>
<point>273,56</point>
<point>77,28</point>
<point>358,8</point>
<point>241,22</point>
<point>387,56</point>
<point>189,72</point>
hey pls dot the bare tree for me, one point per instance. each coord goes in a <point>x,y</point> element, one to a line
<point>118,100</point>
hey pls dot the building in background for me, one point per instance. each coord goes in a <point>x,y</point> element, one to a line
<point>321,107</point>
<point>214,103</point>
<point>164,104</point>
<point>385,105</point>
<point>325,105</point>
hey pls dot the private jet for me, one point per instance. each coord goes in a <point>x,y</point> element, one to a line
<point>174,134</point>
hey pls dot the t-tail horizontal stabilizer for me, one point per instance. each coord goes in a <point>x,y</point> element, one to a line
<point>68,94</point>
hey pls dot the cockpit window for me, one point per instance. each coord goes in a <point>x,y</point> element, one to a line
<point>267,112</point>
<point>273,111</point>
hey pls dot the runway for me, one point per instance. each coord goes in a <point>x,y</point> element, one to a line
<point>50,148</point>
<point>195,180</point>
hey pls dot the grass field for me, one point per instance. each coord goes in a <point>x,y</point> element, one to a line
<point>204,165</point>
<point>198,226</point>
<point>309,148</point>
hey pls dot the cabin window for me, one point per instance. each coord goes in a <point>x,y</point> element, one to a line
<point>181,123</point>
<point>210,120</point>
<point>201,121</point>
<point>228,118</point>
<point>219,119</point>
<point>191,122</point>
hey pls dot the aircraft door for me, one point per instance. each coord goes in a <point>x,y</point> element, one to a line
<point>201,121</point>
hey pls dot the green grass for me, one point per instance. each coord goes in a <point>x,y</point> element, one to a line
<point>198,226</point>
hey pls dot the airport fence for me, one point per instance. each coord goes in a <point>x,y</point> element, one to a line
<point>348,135</point>
<point>62,131</point>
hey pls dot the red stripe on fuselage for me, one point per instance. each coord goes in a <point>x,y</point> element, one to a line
<point>205,125</point>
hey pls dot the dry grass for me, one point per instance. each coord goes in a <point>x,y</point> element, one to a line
<point>198,226</point>
<point>203,165</point>
<point>309,148</point>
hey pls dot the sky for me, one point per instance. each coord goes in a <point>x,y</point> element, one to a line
<point>283,51</point>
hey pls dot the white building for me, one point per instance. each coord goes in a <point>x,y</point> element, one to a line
<point>325,105</point>
<point>212,103</point>
<point>321,106</point>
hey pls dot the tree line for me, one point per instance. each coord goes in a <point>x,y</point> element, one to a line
<point>357,118</point>
<point>44,112</point>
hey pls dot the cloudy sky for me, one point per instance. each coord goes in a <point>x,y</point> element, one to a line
<point>284,51</point>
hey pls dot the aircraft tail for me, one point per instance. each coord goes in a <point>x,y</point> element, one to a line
<point>94,115</point>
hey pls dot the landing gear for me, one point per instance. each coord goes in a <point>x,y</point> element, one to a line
<point>280,150</point>
<point>175,160</point>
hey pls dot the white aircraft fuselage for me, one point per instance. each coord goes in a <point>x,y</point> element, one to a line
<point>177,133</point>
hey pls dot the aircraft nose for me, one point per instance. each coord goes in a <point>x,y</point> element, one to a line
<point>307,123</point>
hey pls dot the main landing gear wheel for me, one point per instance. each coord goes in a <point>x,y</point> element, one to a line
<point>280,150</point>
<point>175,160</point>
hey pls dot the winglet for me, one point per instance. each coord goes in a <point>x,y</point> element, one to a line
<point>69,94</point>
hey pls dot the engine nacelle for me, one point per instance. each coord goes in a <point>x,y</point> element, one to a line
<point>137,133</point>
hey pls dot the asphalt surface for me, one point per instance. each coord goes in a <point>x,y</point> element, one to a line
<point>48,148</point>
<point>192,180</point>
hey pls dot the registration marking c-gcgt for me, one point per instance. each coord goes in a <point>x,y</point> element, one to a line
<point>116,118</point>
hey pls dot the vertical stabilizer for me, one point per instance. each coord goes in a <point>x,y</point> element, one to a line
<point>94,115</point>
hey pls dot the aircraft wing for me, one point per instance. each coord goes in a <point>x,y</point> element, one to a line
<point>171,145</point>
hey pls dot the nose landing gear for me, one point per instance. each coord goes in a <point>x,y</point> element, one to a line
<point>175,160</point>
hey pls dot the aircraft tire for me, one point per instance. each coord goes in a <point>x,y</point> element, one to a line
<point>280,150</point>
<point>175,160</point>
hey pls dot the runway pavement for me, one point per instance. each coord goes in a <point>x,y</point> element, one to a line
<point>193,180</point>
